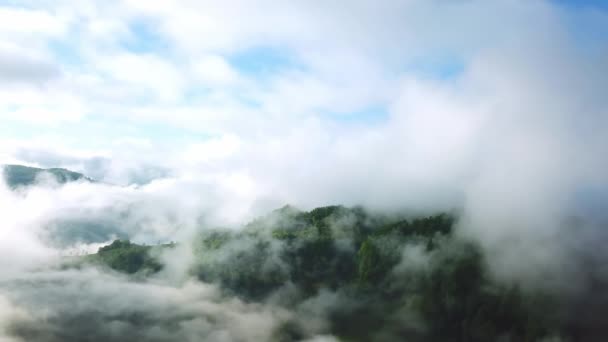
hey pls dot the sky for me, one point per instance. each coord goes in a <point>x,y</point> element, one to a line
<point>345,101</point>
<point>97,74</point>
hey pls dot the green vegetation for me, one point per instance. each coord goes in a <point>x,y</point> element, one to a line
<point>392,278</point>
<point>127,257</point>
<point>19,175</point>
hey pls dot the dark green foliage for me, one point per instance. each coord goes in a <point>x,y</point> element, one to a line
<point>315,261</point>
<point>18,175</point>
<point>450,298</point>
<point>370,263</point>
<point>248,270</point>
<point>394,279</point>
<point>243,263</point>
<point>465,306</point>
<point>213,240</point>
<point>421,226</point>
<point>127,257</point>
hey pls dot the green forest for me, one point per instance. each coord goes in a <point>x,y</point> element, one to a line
<point>388,277</point>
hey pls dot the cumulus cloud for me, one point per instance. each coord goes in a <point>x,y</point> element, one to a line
<point>17,66</point>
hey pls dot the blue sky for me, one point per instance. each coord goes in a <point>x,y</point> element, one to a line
<point>172,72</point>
<point>592,4</point>
<point>498,107</point>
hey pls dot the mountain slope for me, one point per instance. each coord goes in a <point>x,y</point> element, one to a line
<point>385,278</point>
<point>18,175</point>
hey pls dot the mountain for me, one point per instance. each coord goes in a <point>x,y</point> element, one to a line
<point>369,270</point>
<point>18,175</point>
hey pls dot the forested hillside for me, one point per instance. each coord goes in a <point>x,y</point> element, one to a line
<point>372,277</point>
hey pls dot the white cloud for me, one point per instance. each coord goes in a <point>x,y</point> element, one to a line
<point>513,134</point>
<point>41,108</point>
<point>144,71</point>
<point>29,22</point>
<point>214,70</point>
<point>22,65</point>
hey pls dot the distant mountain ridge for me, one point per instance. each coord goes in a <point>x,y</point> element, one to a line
<point>19,175</point>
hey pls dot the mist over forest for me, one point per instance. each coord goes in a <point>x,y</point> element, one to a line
<point>104,272</point>
<point>352,171</point>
